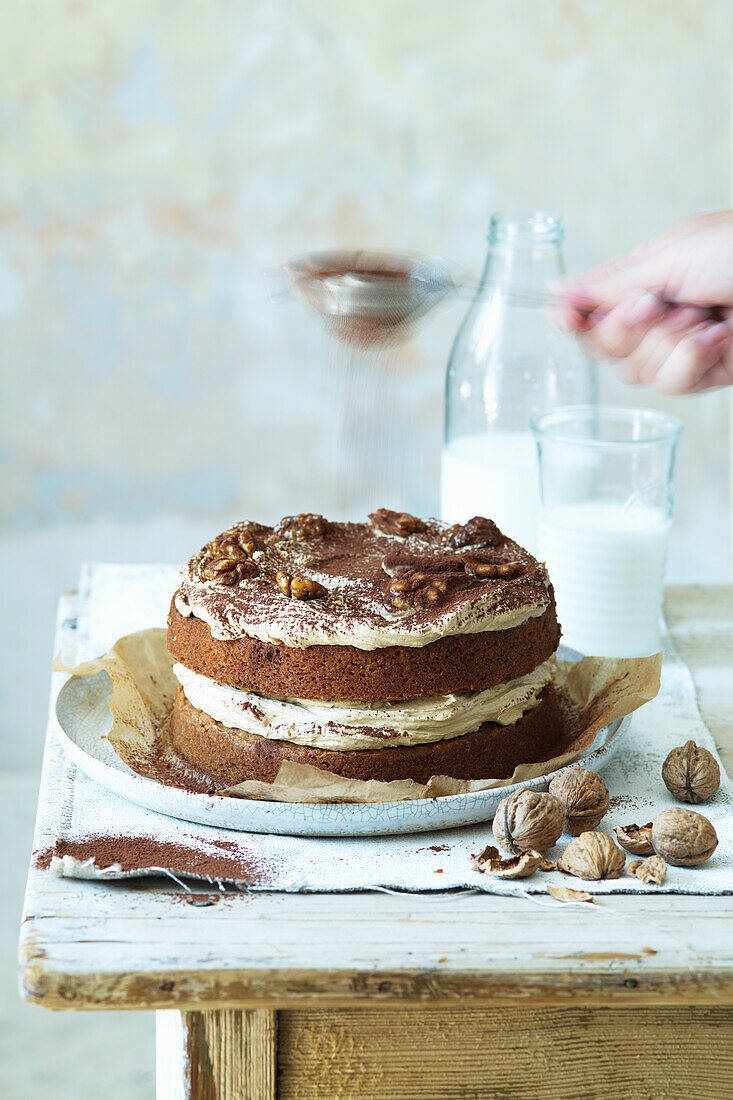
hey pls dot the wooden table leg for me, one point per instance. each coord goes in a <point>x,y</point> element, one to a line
<point>224,1055</point>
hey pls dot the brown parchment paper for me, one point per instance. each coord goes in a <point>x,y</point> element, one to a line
<point>595,692</point>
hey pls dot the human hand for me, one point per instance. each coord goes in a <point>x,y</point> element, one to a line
<point>664,310</point>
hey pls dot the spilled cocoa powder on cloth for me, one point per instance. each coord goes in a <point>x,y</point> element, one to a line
<point>221,859</point>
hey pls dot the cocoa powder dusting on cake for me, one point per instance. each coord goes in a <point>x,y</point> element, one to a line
<point>220,859</point>
<point>353,563</point>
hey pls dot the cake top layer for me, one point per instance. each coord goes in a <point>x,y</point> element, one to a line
<point>396,580</point>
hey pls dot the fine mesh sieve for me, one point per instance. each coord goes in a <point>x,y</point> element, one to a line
<point>364,297</point>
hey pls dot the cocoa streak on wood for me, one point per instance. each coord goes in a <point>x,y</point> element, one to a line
<point>220,859</point>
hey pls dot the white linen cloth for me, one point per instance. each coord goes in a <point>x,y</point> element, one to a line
<point>115,600</point>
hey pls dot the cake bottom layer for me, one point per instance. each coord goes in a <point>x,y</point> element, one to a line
<point>490,752</point>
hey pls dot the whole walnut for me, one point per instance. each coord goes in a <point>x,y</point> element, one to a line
<point>585,798</point>
<point>691,773</point>
<point>592,856</point>
<point>528,819</point>
<point>683,837</point>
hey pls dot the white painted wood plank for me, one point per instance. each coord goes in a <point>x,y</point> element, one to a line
<point>332,933</point>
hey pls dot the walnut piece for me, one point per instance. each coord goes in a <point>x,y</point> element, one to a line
<point>413,588</point>
<point>592,856</point>
<point>584,796</point>
<point>479,531</point>
<point>683,837</point>
<point>636,839</point>
<point>227,560</point>
<point>396,523</point>
<point>306,525</point>
<point>522,866</point>
<point>229,571</point>
<point>528,819</point>
<point>564,893</point>
<point>489,853</point>
<point>488,570</point>
<point>300,588</point>
<point>653,869</point>
<point>232,544</point>
<point>691,773</point>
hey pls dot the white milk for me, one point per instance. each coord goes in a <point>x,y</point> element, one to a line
<point>493,474</point>
<point>607,565</point>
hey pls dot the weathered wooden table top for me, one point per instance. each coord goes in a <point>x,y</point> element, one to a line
<point>148,944</point>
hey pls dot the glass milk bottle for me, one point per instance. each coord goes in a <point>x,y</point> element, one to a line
<point>506,366</point>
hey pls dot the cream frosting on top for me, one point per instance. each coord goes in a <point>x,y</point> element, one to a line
<point>347,726</point>
<point>356,563</point>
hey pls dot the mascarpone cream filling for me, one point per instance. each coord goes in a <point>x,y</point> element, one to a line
<point>347,726</point>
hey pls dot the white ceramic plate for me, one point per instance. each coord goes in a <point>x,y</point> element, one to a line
<point>84,719</point>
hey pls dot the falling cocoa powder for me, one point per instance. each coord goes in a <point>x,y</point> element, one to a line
<point>221,859</point>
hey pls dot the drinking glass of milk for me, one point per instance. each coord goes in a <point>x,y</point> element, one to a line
<point>507,365</point>
<point>607,502</point>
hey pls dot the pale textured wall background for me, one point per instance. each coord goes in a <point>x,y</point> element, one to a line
<point>156,156</point>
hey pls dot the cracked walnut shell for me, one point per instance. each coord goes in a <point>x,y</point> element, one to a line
<point>528,819</point>
<point>592,856</point>
<point>683,837</point>
<point>691,773</point>
<point>584,796</point>
<point>564,893</point>
<point>636,839</point>
<point>521,866</point>
<point>653,869</point>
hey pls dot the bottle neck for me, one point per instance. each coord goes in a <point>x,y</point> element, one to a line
<point>532,267</point>
<point>525,250</point>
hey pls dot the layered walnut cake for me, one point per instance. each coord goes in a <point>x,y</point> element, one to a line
<point>399,648</point>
